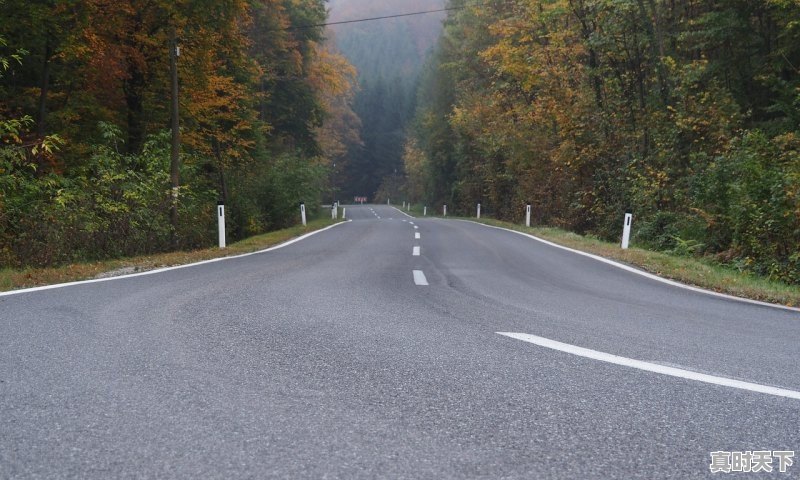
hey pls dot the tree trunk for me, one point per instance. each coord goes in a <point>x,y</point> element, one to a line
<point>41,124</point>
<point>133,88</point>
<point>175,165</point>
<point>223,185</point>
<point>654,30</point>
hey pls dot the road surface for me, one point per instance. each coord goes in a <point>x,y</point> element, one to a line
<point>332,358</point>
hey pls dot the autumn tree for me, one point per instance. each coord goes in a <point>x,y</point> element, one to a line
<point>257,85</point>
<point>588,108</point>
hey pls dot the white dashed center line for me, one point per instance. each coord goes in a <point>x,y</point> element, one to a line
<point>419,278</point>
<point>416,235</point>
<point>416,252</point>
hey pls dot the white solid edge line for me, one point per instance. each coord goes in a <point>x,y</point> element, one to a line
<point>416,252</point>
<point>416,235</point>
<point>419,278</point>
<point>651,367</point>
<point>641,272</point>
<point>166,269</point>
<point>404,213</point>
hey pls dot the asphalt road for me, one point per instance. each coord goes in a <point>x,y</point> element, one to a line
<point>325,359</point>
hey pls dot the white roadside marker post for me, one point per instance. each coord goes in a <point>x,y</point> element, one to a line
<point>303,213</point>
<point>333,212</point>
<point>626,231</point>
<point>528,216</point>
<point>344,213</point>
<point>388,201</point>
<point>479,211</point>
<point>408,207</point>
<point>425,211</point>
<point>221,223</point>
<point>445,210</point>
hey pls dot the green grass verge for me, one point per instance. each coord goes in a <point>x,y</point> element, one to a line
<point>698,272</point>
<point>11,279</point>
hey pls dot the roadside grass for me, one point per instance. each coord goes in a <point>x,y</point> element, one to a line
<point>698,272</point>
<point>11,279</point>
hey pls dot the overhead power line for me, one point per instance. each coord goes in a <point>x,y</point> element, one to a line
<point>359,20</point>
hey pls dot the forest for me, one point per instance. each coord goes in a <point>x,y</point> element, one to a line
<point>389,55</point>
<point>87,169</point>
<point>684,112</point>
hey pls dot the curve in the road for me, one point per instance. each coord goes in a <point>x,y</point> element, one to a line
<point>642,272</point>
<point>167,269</point>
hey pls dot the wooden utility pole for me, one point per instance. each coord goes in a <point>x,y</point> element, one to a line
<point>175,161</point>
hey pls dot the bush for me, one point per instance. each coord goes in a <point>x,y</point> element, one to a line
<point>114,205</point>
<point>659,231</point>
<point>751,193</point>
<point>267,196</point>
